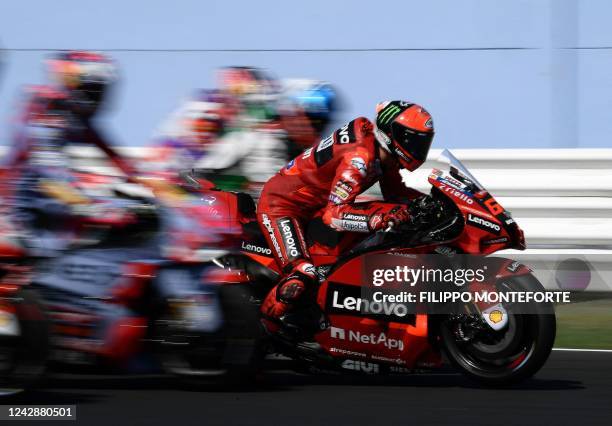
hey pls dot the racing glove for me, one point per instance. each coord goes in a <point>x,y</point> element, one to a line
<point>398,215</point>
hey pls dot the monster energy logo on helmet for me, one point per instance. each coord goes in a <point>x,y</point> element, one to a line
<point>390,111</point>
<point>388,114</point>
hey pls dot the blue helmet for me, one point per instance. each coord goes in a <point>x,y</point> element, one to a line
<point>317,99</point>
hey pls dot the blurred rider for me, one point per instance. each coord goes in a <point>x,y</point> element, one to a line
<point>306,109</point>
<point>254,145</point>
<point>189,133</point>
<point>56,116</point>
<point>274,121</point>
<point>330,176</point>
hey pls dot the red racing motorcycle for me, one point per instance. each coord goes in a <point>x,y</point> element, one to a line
<point>492,342</point>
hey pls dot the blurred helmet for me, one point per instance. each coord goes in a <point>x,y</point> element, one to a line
<point>84,76</point>
<point>249,83</point>
<point>205,116</point>
<point>405,130</point>
<point>317,99</point>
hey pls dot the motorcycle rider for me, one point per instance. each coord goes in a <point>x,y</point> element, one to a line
<point>253,146</point>
<point>306,109</point>
<point>190,132</point>
<point>330,176</point>
<point>273,121</point>
<point>55,117</point>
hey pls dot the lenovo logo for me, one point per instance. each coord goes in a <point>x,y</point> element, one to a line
<point>483,223</point>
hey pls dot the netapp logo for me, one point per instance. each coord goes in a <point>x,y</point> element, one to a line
<point>289,238</point>
<point>483,223</point>
<point>256,249</point>
<point>351,225</point>
<point>372,338</point>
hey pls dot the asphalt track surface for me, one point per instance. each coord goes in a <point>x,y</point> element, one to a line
<point>574,388</point>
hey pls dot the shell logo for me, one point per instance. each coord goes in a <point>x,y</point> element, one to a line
<point>496,316</point>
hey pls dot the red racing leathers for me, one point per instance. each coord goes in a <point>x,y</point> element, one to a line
<point>328,176</point>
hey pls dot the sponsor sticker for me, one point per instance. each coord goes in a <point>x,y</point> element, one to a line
<point>268,225</point>
<point>513,267</point>
<point>290,238</point>
<point>362,366</point>
<point>463,196</point>
<point>388,113</point>
<point>341,192</point>
<point>367,338</point>
<point>499,240</point>
<point>360,164</point>
<point>484,224</point>
<point>348,300</point>
<point>253,248</point>
<point>346,134</point>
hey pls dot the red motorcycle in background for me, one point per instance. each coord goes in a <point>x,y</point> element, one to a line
<point>139,296</point>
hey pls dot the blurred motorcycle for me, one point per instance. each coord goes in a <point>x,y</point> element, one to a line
<point>141,296</point>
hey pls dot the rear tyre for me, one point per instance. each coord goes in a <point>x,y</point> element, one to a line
<point>227,356</point>
<point>24,341</point>
<point>508,356</point>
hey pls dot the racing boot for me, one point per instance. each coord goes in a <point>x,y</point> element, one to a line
<point>289,311</point>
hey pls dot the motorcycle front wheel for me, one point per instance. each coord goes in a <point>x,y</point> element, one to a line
<point>510,355</point>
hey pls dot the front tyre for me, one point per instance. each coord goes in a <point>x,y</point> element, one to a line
<point>508,356</point>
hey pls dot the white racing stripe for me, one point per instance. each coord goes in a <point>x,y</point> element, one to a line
<point>582,350</point>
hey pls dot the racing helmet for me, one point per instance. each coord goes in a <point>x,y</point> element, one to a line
<point>247,82</point>
<point>317,99</point>
<point>405,130</point>
<point>205,116</point>
<point>84,77</point>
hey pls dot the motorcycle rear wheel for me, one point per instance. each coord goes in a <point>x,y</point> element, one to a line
<point>228,356</point>
<point>510,355</point>
<point>24,351</point>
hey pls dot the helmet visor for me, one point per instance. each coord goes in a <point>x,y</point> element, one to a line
<point>412,141</point>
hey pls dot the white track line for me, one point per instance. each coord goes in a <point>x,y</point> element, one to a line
<point>581,350</point>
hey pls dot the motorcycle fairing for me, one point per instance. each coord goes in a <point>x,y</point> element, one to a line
<point>373,338</point>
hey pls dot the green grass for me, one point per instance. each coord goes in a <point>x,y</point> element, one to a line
<point>585,325</point>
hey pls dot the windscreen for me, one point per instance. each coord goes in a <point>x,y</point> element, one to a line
<point>459,169</point>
